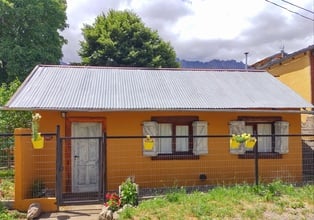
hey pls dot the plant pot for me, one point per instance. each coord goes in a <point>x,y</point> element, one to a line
<point>237,150</point>
<point>234,144</point>
<point>249,144</point>
<point>148,144</point>
<point>39,143</point>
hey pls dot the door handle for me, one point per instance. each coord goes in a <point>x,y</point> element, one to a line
<point>75,156</point>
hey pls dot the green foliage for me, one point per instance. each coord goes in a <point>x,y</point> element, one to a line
<point>5,214</point>
<point>38,189</point>
<point>30,35</point>
<point>237,202</point>
<point>121,39</point>
<point>9,120</point>
<point>6,189</point>
<point>7,173</point>
<point>128,193</point>
<point>272,190</point>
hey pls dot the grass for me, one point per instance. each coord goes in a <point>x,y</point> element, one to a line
<point>6,184</point>
<point>267,201</point>
<point>7,193</point>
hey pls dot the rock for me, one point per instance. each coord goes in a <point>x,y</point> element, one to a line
<point>115,216</point>
<point>105,214</point>
<point>33,211</point>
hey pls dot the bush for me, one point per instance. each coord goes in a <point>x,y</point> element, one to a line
<point>128,193</point>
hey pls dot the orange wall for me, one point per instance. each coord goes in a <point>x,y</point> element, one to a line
<point>30,164</point>
<point>125,158</point>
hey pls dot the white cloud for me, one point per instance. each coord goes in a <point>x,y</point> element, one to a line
<point>206,29</point>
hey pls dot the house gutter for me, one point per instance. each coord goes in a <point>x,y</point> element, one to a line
<point>309,112</point>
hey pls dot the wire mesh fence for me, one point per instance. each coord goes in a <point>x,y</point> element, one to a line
<point>53,169</point>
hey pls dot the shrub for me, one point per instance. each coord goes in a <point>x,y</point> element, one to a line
<point>128,193</point>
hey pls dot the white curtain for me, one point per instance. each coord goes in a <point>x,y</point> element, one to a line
<point>249,129</point>
<point>264,143</point>
<point>165,143</point>
<point>182,144</point>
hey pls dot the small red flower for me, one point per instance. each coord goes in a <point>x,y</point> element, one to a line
<point>113,201</point>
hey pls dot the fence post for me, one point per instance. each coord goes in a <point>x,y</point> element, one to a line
<point>58,167</point>
<point>256,164</point>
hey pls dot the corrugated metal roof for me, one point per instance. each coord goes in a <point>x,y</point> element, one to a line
<point>112,89</point>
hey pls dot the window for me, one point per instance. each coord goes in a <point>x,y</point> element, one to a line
<point>268,131</point>
<point>265,143</point>
<point>167,132</point>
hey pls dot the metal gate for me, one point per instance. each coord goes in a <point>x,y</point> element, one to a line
<point>80,170</point>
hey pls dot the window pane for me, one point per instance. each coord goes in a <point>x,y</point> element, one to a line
<point>249,129</point>
<point>182,144</point>
<point>264,143</point>
<point>165,143</point>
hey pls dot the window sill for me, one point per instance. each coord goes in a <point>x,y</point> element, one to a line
<point>251,155</point>
<point>176,157</point>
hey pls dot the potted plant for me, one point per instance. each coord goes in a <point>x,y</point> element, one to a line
<point>37,139</point>
<point>250,143</point>
<point>242,141</point>
<point>148,143</point>
<point>128,192</point>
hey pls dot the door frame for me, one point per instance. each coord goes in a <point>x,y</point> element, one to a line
<point>68,150</point>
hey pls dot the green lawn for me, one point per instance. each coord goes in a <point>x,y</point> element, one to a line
<point>269,201</point>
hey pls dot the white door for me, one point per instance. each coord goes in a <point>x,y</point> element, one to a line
<point>85,156</point>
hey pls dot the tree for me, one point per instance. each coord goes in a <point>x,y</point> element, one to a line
<point>9,120</point>
<point>29,35</point>
<point>121,39</point>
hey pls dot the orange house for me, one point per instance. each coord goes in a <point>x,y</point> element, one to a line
<point>95,121</point>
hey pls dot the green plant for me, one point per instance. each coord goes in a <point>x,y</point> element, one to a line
<point>113,201</point>
<point>241,137</point>
<point>38,189</point>
<point>237,202</point>
<point>128,193</point>
<point>6,189</point>
<point>35,126</point>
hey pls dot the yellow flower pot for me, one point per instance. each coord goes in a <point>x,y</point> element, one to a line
<point>234,144</point>
<point>250,143</point>
<point>148,144</point>
<point>39,143</point>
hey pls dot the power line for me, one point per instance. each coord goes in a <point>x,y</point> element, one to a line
<point>298,6</point>
<point>311,19</point>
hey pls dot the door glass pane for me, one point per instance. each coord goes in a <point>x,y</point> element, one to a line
<point>264,143</point>
<point>182,144</point>
<point>165,143</point>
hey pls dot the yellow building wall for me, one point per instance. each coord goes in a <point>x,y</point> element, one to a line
<point>295,73</point>
<point>30,165</point>
<point>158,173</point>
<point>125,158</point>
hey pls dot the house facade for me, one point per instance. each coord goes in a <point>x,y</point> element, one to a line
<point>104,116</point>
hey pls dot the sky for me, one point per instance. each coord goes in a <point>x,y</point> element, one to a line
<point>204,30</point>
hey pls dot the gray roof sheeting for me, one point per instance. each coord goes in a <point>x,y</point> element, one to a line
<point>122,89</point>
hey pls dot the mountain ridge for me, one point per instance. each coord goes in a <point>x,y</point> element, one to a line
<point>213,64</point>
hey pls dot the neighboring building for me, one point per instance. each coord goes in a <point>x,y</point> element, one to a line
<point>296,70</point>
<point>122,103</point>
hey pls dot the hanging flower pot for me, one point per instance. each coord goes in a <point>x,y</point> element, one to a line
<point>234,144</point>
<point>38,143</point>
<point>37,139</point>
<point>250,143</point>
<point>148,143</point>
<point>241,142</point>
